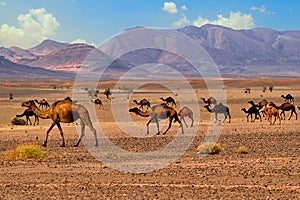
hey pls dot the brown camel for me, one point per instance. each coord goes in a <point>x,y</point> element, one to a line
<point>270,112</point>
<point>219,109</point>
<point>186,112</point>
<point>160,111</point>
<point>142,103</point>
<point>287,107</point>
<point>43,103</point>
<point>210,101</point>
<point>63,111</point>
<point>169,100</point>
<point>28,113</point>
<point>98,102</point>
<point>288,98</point>
<point>252,110</point>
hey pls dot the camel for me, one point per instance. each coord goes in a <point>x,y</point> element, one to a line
<point>169,100</point>
<point>219,109</point>
<point>288,98</point>
<point>261,104</point>
<point>270,112</point>
<point>287,107</point>
<point>210,101</point>
<point>28,113</point>
<point>252,110</point>
<point>185,111</point>
<point>43,103</point>
<point>159,111</point>
<point>98,102</point>
<point>66,112</point>
<point>142,103</point>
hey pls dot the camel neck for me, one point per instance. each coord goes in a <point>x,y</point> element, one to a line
<point>44,114</point>
<point>143,113</point>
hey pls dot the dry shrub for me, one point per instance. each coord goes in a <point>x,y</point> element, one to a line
<point>18,121</point>
<point>25,151</point>
<point>209,148</point>
<point>242,150</point>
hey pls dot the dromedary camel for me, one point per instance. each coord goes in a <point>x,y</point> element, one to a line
<point>98,102</point>
<point>169,100</point>
<point>219,109</point>
<point>63,111</point>
<point>142,103</point>
<point>287,107</point>
<point>210,101</point>
<point>288,98</point>
<point>160,111</point>
<point>28,113</point>
<point>270,112</point>
<point>252,110</point>
<point>186,112</point>
<point>43,103</point>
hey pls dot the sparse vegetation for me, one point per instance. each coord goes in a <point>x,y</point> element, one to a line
<point>18,121</point>
<point>271,87</point>
<point>25,151</point>
<point>107,92</point>
<point>209,148</point>
<point>242,150</point>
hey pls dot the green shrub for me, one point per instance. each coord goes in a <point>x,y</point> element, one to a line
<point>209,148</point>
<point>25,151</point>
<point>242,150</point>
<point>18,121</point>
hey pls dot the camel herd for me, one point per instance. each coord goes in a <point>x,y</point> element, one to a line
<point>67,111</point>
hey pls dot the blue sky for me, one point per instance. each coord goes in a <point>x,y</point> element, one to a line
<point>28,23</point>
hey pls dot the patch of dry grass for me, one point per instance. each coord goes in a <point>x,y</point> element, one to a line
<point>209,148</point>
<point>242,150</point>
<point>25,151</point>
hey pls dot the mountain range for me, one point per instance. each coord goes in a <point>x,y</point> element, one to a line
<point>255,51</point>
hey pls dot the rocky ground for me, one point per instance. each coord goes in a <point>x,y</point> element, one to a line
<point>270,170</point>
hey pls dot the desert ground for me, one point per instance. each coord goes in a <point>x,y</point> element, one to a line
<point>270,170</point>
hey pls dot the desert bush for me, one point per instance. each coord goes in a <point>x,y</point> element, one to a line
<point>209,148</point>
<point>242,150</point>
<point>25,151</point>
<point>18,121</point>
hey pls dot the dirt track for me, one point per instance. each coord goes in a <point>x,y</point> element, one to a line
<point>271,170</point>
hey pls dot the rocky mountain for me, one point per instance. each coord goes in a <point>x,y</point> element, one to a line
<point>10,70</point>
<point>255,51</point>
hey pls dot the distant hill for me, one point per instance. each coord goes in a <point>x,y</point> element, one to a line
<point>255,51</point>
<point>13,71</point>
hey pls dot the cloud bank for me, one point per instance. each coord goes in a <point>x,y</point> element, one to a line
<point>35,26</point>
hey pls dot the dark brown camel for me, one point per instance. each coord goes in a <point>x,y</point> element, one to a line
<point>169,100</point>
<point>142,103</point>
<point>287,107</point>
<point>66,112</point>
<point>98,102</point>
<point>43,103</point>
<point>160,111</point>
<point>28,113</point>
<point>252,110</point>
<point>210,101</point>
<point>186,112</point>
<point>219,109</point>
<point>288,98</point>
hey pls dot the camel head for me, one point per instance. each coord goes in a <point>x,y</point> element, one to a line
<point>134,110</point>
<point>27,104</point>
<point>244,109</point>
<point>251,102</point>
<point>135,101</point>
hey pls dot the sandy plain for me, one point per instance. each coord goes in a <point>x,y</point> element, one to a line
<point>271,169</point>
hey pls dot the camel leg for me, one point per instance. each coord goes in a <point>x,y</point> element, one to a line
<point>81,135</point>
<point>157,124</point>
<point>229,117</point>
<point>192,118</point>
<point>182,118</point>
<point>47,133</point>
<point>28,120</point>
<point>148,126</point>
<point>62,134</point>
<point>170,124</point>
<point>90,125</point>
<point>37,120</point>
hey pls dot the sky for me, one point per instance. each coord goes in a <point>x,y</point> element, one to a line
<point>27,23</point>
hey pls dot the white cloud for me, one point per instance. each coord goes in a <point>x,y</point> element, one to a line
<point>182,21</point>
<point>184,7</point>
<point>2,3</point>
<point>236,20</point>
<point>79,40</point>
<point>261,9</point>
<point>35,26</point>
<point>170,7</point>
